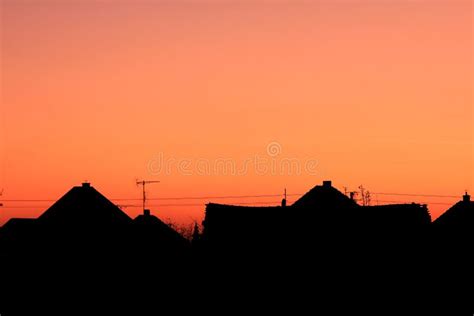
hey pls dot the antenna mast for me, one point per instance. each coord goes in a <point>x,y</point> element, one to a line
<point>143,183</point>
<point>283,202</point>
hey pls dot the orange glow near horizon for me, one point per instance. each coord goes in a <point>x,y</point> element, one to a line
<point>378,93</point>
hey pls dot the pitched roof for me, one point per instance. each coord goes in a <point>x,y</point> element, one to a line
<point>84,205</point>
<point>460,214</point>
<point>325,197</point>
<point>156,229</point>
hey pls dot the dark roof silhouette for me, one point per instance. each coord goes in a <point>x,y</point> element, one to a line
<point>233,211</point>
<point>460,215</point>
<point>322,212</point>
<point>85,223</point>
<point>323,197</point>
<point>149,220</point>
<point>230,226</point>
<point>223,219</point>
<point>156,229</point>
<point>395,215</point>
<point>84,205</point>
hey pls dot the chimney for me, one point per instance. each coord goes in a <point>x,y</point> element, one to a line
<point>327,184</point>
<point>466,198</point>
<point>283,203</point>
<point>86,185</point>
<point>146,213</point>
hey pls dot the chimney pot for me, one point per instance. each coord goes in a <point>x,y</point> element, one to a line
<point>327,184</point>
<point>466,198</point>
<point>146,212</point>
<point>86,185</point>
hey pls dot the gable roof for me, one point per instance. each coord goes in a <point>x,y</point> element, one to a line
<point>84,205</point>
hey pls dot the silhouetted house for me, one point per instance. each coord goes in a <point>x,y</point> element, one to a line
<point>322,216</point>
<point>84,206</point>
<point>84,246</point>
<point>242,226</point>
<point>149,231</point>
<point>325,197</point>
<point>452,247</point>
<point>324,211</point>
<point>329,203</point>
<point>459,218</point>
<point>318,206</point>
<point>454,230</point>
<point>83,221</point>
<point>396,216</point>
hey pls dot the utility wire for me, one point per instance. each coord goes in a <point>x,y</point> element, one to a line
<point>270,203</point>
<point>422,195</point>
<point>169,198</point>
<point>231,197</point>
<point>161,205</point>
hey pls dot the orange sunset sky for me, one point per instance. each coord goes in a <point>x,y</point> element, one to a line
<point>372,92</point>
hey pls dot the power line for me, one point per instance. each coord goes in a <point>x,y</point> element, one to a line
<point>231,197</point>
<point>269,203</point>
<point>210,197</point>
<point>168,198</point>
<point>25,200</point>
<point>405,202</point>
<point>167,205</point>
<point>422,195</point>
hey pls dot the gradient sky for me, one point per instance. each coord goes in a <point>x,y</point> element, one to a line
<point>378,93</point>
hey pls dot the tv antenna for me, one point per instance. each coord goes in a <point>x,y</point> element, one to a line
<point>143,183</point>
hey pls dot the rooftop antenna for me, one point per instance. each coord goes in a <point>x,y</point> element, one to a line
<point>143,183</point>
